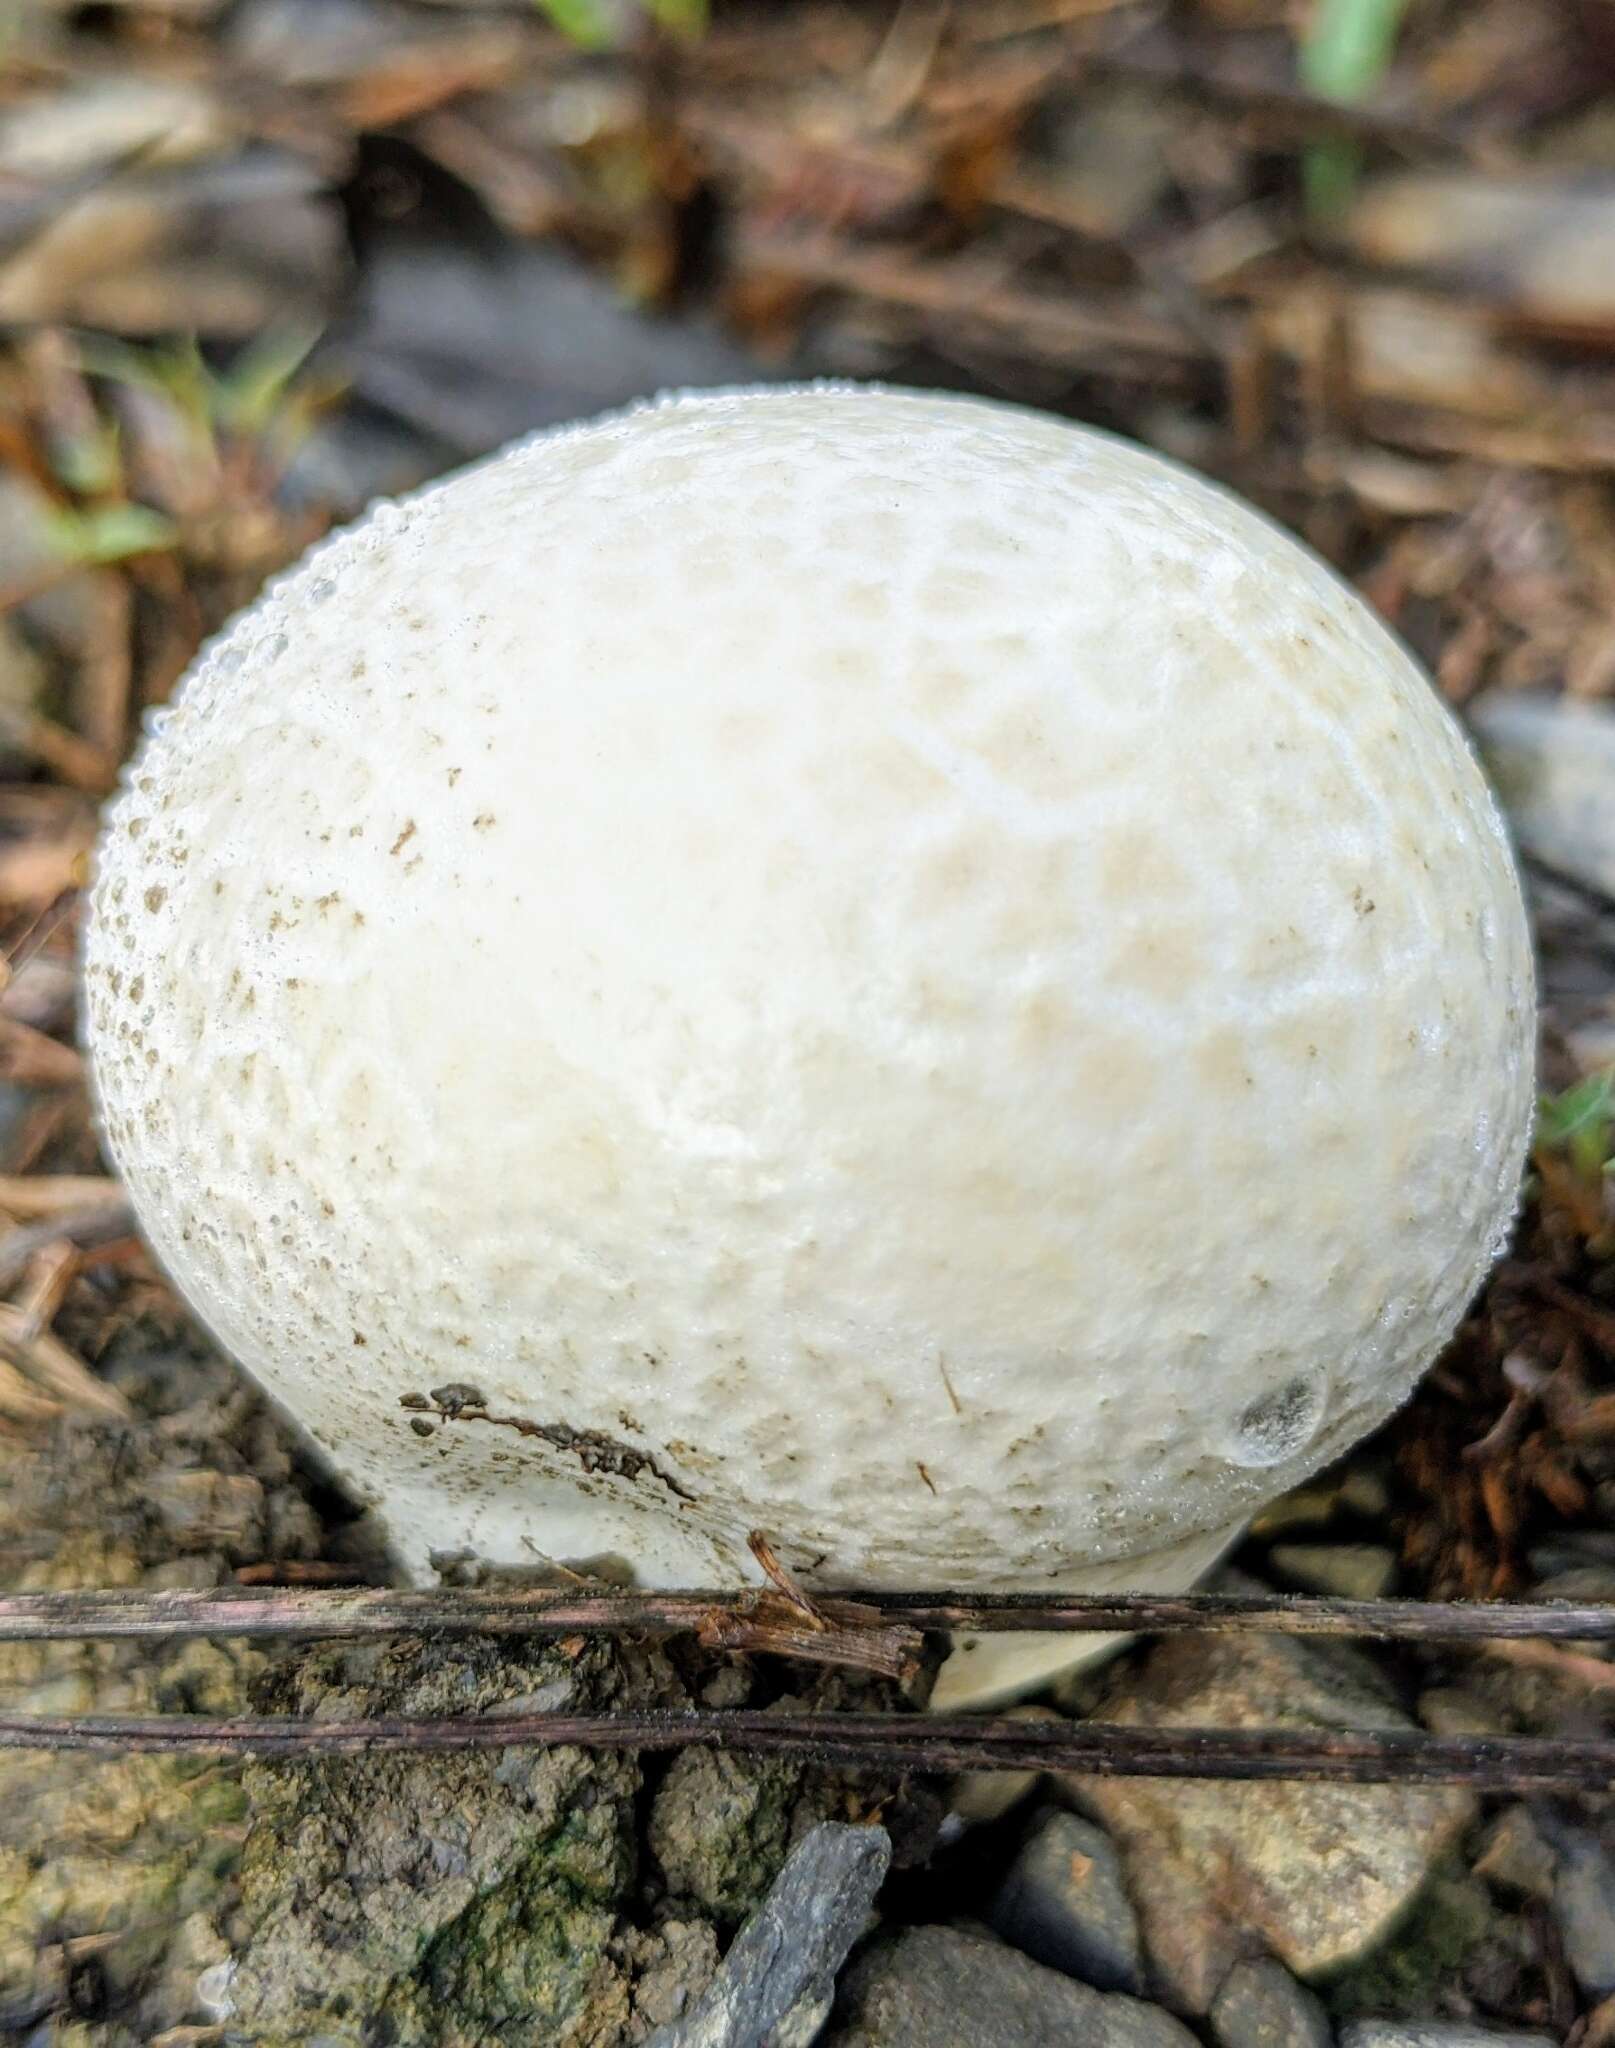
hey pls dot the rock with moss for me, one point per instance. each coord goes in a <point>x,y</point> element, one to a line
<point>116,1873</point>
<point>720,1827</point>
<point>449,1900</point>
<point>723,1821</point>
<point>1425,1966</point>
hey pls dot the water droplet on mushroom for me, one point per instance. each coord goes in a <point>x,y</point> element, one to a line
<point>1281,1423</point>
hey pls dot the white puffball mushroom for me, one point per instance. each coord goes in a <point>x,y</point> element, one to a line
<point>874,966</point>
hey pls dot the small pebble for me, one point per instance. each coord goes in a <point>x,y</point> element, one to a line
<point>730,1686</point>
<point>1435,2034</point>
<point>1352,1571</point>
<point>1584,1911</point>
<point>1366,1492</point>
<point>1580,1582</point>
<point>1571,1548</point>
<point>1308,1507</point>
<point>1317,1875</point>
<point>1063,1903</point>
<point>954,1987</point>
<point>1453,1710</point>
<point>777,1981</point>
<point>1261,2005</point>
<point>1516,1858</point>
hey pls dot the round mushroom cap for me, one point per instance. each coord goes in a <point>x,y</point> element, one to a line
<point>877,967</point>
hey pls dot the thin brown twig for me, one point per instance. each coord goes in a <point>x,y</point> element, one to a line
<point>20,1402</point>
<point>36,582</point>
<point>70,758</point>
<point>298,1571</point>
<point>40,928</point>
<point>90,1227</point>
<point>106,674</point>
<point>45,1287</point>
<point>32,1059</point>
<point>918,1742</point>
<point>56,1370</point>
<point>33,1197</point>
<point>565,1610</point>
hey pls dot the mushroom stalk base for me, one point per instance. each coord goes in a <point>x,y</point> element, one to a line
<point>993,1670</point>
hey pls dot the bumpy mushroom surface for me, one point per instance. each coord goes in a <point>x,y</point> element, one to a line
<point>875,966</point>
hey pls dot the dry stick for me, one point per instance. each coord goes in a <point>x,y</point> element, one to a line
<point>30,1197</point>
<point>845,1633</point>
<point>57,1371</point>
<point>96,1224</point>
<point>721,1617</point>
<point>919,1742</point>
<point>38,931</point>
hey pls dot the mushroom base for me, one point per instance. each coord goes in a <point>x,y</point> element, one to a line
<point>994,1670</point>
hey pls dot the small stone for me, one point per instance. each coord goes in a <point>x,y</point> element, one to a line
<point>980,1797</point>
<point>953,1987</point>
<point>1454,1935</point>
<point>1215,1866</point>
<point>292,1529</point>
<point>1353,1571</point>
<point>1063,1902</point>
<point>210,1511</point>
<point>1568,1549</point>
<point>1434,2034</point>
<point>719,1828</point>
<point>1454,1710</point>
<point>1553,761</point>
<point>672,1965</point>
<point>1579,1582</point>
<point>1261,2005</point>
<point>1517,1858</point>
<point>1307,1507</point>
<point>1365,1492</point>
<point>778,1978</point>
<point>730,1686</point>
<point>1584,1911</point>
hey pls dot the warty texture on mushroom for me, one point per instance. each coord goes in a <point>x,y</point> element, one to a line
<point>877,966</point>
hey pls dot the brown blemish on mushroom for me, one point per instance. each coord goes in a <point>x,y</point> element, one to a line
<point>403,838</point>
<point>594,1450</point>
